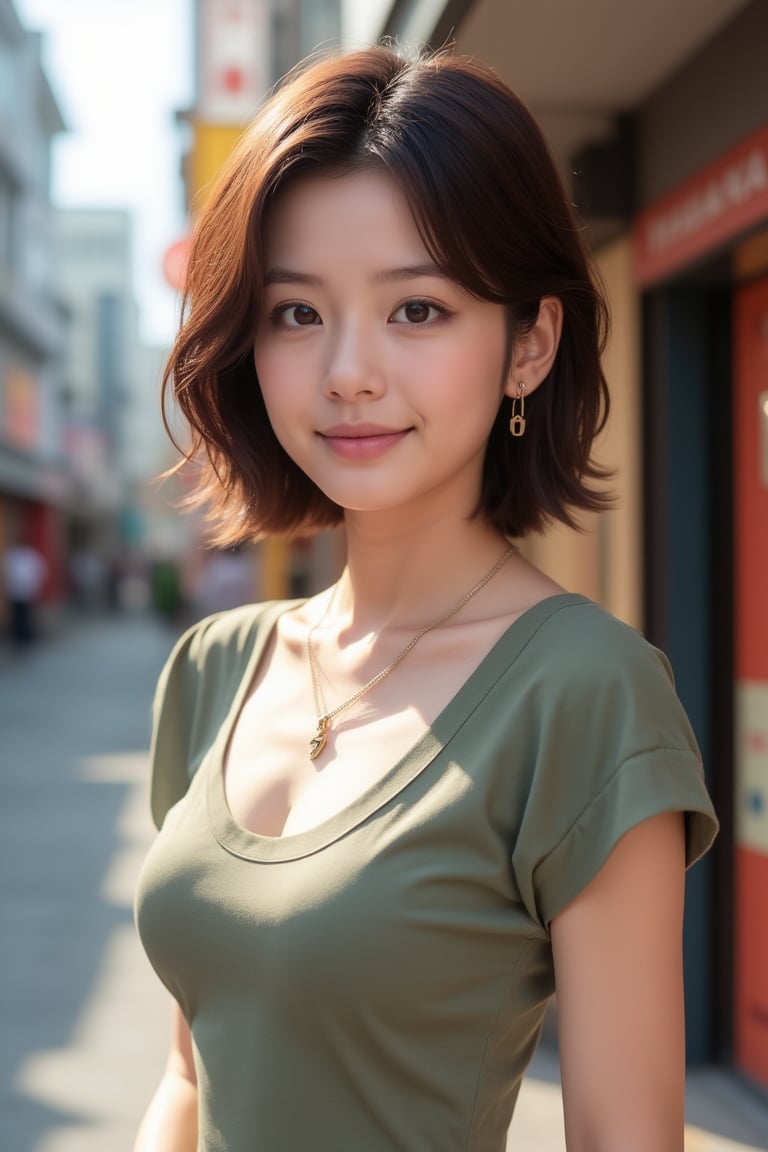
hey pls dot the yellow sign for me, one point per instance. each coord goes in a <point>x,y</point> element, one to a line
<point>213,145</point>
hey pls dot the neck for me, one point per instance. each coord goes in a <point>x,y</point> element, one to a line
<point>399,577</point>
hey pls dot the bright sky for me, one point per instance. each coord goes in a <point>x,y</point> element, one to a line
<point>119,70</point>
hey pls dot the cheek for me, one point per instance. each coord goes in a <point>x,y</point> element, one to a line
<point>265,363</point>
<point>275,377</point>
<point>473,369</point>
<point>285,368</point>
<point>277,396</point>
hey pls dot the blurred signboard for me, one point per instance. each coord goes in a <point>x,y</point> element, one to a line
<point>752,765</point>
<point>714,206</point>
<point>233,59</point>
<point>20,414</point>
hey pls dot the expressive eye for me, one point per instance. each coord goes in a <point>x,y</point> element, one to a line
<point>417,313</point>
<point>295,316</point>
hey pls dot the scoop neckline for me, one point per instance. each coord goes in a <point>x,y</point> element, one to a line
<point>247,845</point>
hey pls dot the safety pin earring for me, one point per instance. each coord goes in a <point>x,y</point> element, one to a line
<point>517,423</point>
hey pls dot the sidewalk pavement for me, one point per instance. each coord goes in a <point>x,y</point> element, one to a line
<point>83,1020</point>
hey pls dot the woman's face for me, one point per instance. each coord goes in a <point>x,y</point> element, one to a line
<point>381,376</point>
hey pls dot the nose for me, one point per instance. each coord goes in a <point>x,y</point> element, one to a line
<point>352,371</point>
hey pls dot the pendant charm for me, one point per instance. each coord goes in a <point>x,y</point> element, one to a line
<point>517,423</point>
<point>320,738</point>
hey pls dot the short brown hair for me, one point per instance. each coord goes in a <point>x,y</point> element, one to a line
<point>491,209</point>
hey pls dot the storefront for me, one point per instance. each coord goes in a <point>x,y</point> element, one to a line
<point>701,260</point>
<point>34,486</point>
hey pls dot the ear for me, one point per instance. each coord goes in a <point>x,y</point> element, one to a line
<point>534,353</point>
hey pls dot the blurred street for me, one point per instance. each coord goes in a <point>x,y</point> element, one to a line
<point>82,1018</point>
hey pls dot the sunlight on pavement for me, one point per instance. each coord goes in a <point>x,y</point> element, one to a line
<point>104,1077</point>
<point>538,1120</point>
<point>87,1080</point>
<point>697,1140</point>
<point>134,826</point>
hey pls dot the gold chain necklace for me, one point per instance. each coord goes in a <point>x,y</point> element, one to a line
<point>324,719</point>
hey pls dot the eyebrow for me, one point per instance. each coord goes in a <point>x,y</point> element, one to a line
<point>280,275</point>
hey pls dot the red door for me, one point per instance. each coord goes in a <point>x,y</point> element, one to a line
<point>751,670</point>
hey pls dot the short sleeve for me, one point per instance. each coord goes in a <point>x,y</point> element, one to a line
<point>616,748</point>
<point>193,698</point>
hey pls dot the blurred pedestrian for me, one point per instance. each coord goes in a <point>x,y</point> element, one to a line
<point>87,573</point>
<point>226,580</point>
<point>396,816</point>
<point>24,576</point>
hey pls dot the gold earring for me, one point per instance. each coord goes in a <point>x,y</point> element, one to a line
<point>517,423</point>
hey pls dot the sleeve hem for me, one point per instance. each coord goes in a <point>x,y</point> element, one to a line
<point>645,786</point>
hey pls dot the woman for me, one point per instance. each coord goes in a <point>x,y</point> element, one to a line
<point>397,816</point>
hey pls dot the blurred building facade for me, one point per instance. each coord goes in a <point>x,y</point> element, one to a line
<point>658,117</point>
<point>93,276</point>
<point>112,429</point>
<point>81,440</point>
<point>34,477</point>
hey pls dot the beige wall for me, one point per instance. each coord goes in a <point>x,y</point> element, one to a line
<point>604,561</point>
<point>621,446</point>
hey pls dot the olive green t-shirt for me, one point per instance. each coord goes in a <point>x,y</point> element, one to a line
<point>377,983</point>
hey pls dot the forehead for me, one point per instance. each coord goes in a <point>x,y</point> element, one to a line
<point>319,217</point>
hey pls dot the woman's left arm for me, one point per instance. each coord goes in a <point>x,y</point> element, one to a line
<point>619,978</point>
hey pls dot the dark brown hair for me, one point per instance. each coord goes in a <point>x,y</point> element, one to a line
<point>492,212</point>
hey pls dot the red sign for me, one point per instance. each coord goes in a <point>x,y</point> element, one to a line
<point>718,203</point>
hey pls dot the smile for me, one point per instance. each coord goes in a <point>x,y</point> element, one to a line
<point>362,441</point>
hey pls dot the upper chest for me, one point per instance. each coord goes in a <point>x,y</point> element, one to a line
<point>274,787</point>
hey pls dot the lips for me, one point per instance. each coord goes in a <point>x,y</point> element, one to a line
<point>362,441</point>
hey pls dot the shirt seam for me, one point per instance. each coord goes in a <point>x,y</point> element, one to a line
<point>494,1027</point>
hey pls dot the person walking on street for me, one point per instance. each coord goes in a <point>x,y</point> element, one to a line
<point>395,817</point>
<point>24,576</point>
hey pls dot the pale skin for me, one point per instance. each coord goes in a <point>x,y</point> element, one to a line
<point>359,329</point>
